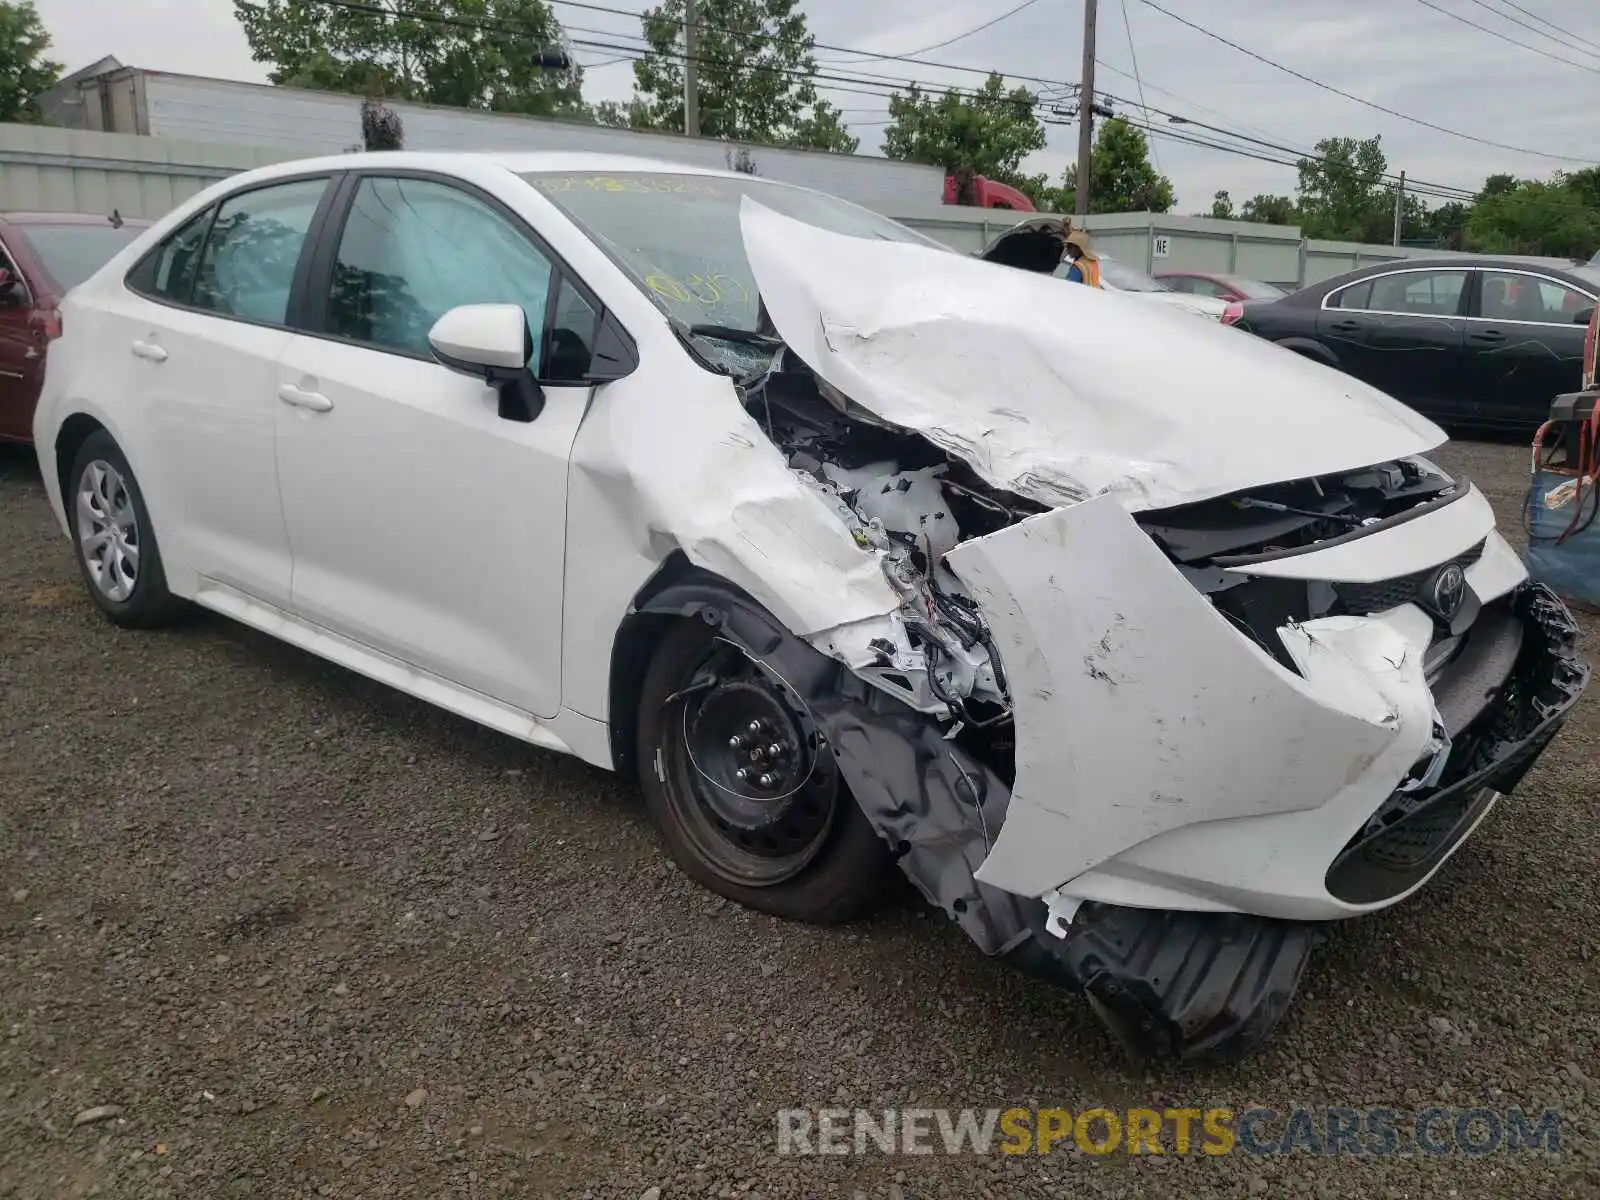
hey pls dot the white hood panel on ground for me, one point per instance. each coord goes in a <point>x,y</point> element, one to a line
<point>1058,392</point>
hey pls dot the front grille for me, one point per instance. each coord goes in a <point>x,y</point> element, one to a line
<point>1411,832</point>
<point>1364,599</point>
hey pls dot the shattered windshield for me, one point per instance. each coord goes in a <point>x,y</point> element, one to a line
<point>678,234</point>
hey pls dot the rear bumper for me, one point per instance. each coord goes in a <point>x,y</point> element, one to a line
<point>1211,986</point>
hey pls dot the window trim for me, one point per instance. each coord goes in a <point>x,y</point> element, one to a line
<point>297,283</point>
<point>1482,271</point>
<point>319,282</point>
<point>22,277</point>
<point>1463,299</point>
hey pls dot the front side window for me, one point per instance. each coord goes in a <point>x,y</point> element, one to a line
<point>1508,296</point>
<point>1422,293</point>
<point>247,266</point>
<point>167,273</point>
<point>412,249</point>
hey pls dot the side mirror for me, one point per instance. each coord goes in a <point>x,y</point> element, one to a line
<point>491,342</point>
<point>1583,317</point>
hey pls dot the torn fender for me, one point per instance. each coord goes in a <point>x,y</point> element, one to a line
<point>1141,711</point>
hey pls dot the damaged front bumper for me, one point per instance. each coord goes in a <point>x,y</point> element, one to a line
<point>1211,985</point>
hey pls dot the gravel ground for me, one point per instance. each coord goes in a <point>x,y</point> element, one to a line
<point>314,938</point>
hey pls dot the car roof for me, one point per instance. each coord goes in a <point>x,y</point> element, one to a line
<point>62,218</point>
<point>516,161</point>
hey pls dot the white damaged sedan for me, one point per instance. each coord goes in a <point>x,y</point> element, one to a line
<point>1144,649</point>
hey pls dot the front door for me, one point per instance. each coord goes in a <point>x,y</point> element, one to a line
<point>425,525</point>
<point>1526,343</point>
<point>1402,333</point>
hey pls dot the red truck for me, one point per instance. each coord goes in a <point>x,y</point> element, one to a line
<point>986,193</point>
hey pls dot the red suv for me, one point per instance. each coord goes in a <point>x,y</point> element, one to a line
<point>41,256</point>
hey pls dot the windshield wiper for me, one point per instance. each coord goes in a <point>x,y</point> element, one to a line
<point>732,333</point>
<point>1273,506</point>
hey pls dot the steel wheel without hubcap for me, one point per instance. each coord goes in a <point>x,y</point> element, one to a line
<point>757,788</point>
<point>108,531</point>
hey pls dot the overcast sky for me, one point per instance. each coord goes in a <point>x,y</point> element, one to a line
<point>1397,53</point>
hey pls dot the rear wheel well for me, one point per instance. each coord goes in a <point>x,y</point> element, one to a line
<point>75,430</point>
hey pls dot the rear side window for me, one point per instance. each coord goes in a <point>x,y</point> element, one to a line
<point>1423,293</point>
<point>1357,295</point>
<point>247,266</point>
<point>412,249</point>
<point>167,272</point>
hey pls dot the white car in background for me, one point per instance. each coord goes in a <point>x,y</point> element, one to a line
<point>1118,276</point>
<point>1144,649</point>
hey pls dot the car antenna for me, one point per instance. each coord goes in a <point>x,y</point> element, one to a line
<point>115,218</point>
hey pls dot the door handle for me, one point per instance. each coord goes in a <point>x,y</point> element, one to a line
<point>300,398</point>
<point>1345,326</point>
<point>149,350</point>
<point>1488,335</point>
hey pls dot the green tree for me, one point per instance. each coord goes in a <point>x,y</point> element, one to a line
<point>1122,179</point>
<point>1342,193</point>
<point>24,71</point>
<point>988,132</point>
<point>754,75</point>
<point>1269,210</point>
<point>1222,207</point>
<point>1534,218</point>
<point>484,54</point>
<point>1447,225</point>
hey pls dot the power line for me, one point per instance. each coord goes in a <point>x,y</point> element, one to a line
<point>1563,32</point>
<point>960,37</point>
<point>815,45</point>
<point>1506,37</point>
<point>885,86</point>
<point>1217,37</point>
<point>1262,156</point>
<point>1133,55</point>
<point>1565,38</point>
<point>1312,155</point>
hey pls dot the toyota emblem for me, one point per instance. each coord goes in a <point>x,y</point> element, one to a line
<point>1447,590</point>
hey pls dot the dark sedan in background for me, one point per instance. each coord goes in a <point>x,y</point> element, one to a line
<point>42,255</point>
<point>1480,342</point>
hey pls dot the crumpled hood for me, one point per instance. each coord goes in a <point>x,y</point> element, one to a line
<point>1058,392</point>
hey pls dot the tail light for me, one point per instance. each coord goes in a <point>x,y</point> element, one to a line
<point>1591,342</point>
<point>1234,313</point>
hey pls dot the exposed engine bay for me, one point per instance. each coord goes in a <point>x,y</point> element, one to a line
<point>912,502</point>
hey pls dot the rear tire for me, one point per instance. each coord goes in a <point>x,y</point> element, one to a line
<point>796,846</point>
<point>114,540</point>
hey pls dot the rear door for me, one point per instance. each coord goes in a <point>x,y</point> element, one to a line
<point>1525,335</point>
<point>201,331</point>
<point>1403,333</point>
<point>425,525</point>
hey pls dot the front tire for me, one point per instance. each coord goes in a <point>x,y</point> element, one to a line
<point>114,539</point>
<point>744,787</point>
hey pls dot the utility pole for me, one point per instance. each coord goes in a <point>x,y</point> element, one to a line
<point>691,73</point>
<point>1399,206</point>
<point>1086,110</point>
